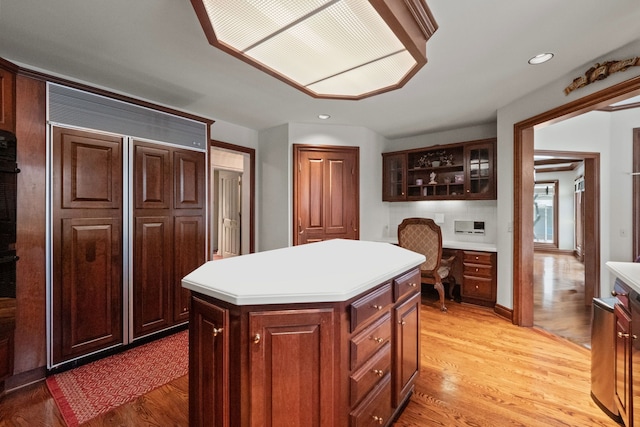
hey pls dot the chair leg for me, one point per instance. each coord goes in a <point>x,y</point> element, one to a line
<point>440,290</point>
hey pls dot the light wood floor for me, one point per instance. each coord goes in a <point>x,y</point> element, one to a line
<point>476,370</point>
<point>558,297</point>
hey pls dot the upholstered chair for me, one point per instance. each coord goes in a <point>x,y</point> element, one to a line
<point>424,236</point>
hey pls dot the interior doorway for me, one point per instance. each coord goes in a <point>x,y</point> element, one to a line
<point>523,257</point>
<point>232,196</point>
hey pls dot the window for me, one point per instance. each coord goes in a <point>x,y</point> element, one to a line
<point>545,213</point>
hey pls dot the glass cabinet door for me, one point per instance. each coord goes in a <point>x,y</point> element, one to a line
<point>394,176</point>
<point>480,178</point>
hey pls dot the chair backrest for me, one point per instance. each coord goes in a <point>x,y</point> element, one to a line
<point>422,235</point>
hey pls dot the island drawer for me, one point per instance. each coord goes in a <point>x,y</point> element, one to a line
<point>406,284</point>
<point>370,305</point>
<point>365,378</point>
<point>370,340</point>
<point>375,410</point>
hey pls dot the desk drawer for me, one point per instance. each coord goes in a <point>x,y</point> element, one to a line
<point>476,287</point>
<point>374,369</point>
<point>477,257</point>
<point>370,340</point>
<point>370,305</point>
<point>478,270</point>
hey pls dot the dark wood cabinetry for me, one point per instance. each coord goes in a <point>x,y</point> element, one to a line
<point>7,327</point>
<point>350,363</point>
<point>463,170</point>
<point>7,99</point>
<point>479,278</point>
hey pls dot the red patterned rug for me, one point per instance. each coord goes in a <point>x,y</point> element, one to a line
<point>95,388</point>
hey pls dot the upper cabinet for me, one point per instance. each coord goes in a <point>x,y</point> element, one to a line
<point>7,99</point>
<point>464,170</point>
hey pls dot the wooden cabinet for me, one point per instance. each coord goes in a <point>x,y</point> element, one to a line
<point>7,99</point>
<point>464,170</point>
<point>623,364</point>
<point>479,278</point>
<point>209,364</point>
<point>7,327</point>
<point>349,363</point>
<point>394,176</point>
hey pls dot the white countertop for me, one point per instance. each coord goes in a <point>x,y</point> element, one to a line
<point>329,271</point>
<point>455,244</point>
<point>628,272</point>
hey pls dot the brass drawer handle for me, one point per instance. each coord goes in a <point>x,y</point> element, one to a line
<point>413,285</point>
<point>380,420</point>
<point>217,331</point>
<point>378,372</point>
<point>402,322</point>
<point>377,307</point>
<point>621,335</point>
<point>378,339</point>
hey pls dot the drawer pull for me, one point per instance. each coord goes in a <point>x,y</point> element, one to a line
<point>256,338</point>
<point>377,307</point>
<point>380,420</point>
<point>476,287</point>
<point>477,270</point>
<point>402,322</point>
<point>621,335</point>
<point>413,284</point>
<point>378,372</point>
<point>477,258</point>
<point>217,331</point>
<point>377,339</point>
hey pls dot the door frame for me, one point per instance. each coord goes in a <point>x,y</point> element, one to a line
<point>252,187</point>
<point>523,148</point>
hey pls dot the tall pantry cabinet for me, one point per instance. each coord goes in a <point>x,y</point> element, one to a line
<point>127,223</point>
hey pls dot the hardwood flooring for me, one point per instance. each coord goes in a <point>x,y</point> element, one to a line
<point>476,370</point>
<point>558,297</point>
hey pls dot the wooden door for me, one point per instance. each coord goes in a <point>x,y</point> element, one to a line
<point>229,203</point>
<point>326,193</point>
<point>578,213</point>
<point>152,247</point>
<point>291,368</point>
<point>208,365</point>
<point>87,243</point>
<point>188,224</point>
<point>407,348</point>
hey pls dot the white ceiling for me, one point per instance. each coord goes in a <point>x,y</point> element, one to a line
<point>156,50</point>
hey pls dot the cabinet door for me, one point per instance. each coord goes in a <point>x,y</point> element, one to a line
<point>407,348</point>
<point>7,100</point>
<point>394,175</point>
<point>188,246</point>
<point>292,368</point>
<point>623,364</point>
<point>480,171</point>
<point>208,365</point>
<point>87,243</point>
<point>635,359</point>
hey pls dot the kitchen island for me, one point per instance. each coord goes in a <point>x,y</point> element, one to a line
<point>323,334</point>
<point>627,344</point>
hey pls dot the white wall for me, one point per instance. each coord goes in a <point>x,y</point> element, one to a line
<point>538,102</point>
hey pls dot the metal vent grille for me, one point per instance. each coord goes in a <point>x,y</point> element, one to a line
<point>87,110</point>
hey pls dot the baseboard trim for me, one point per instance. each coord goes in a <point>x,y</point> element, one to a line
<point>25,378</point>
<point>504,312</point>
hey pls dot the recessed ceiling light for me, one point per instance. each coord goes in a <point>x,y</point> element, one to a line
<point>323,116</point>
<point>540,58</point>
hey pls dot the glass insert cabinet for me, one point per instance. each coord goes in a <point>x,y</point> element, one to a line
<point>463,170</point>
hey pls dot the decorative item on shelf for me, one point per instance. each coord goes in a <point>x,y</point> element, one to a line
<point>422,162</point>
<point>435,163</point>
<point>447,180</point>
<point>459,178</point>
<point>432,178</point>
<point>419,181</point>
<point>448,160</point>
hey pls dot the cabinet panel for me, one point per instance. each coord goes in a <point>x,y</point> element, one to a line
<point>152,275</point>
<point>292,355</point>
<point>7,100</point>
<point>407,284</point>
<point>188,253</point>
<point>394,170</point>
<point>152,177</point>
<point>369,374</point>
<point>623,364</point>
<point>188,171</point>
<point>370,340</point>
<point>479,278</point>
<point>376,409</point>
<point>407,348</point>
<point>89,292</point>
<point>208,365</point>
<point>480,169</point>
<point>370,305</point>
